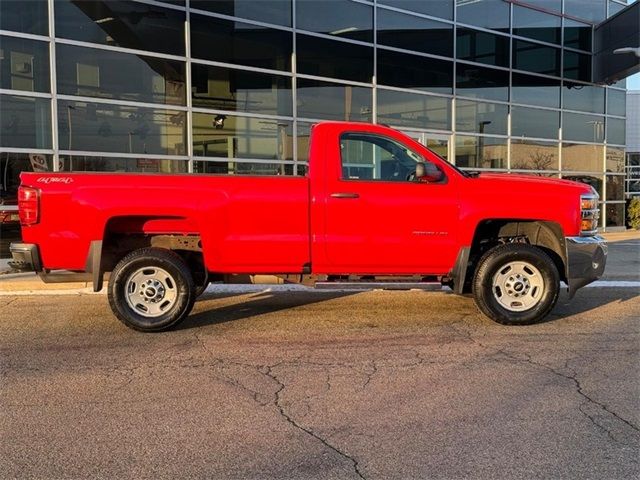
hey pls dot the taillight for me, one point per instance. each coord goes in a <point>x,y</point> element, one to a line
<point>28,205</point>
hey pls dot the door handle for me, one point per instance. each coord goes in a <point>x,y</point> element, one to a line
<point>345,195</point>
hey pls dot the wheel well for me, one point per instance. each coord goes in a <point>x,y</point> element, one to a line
<point>547,236</point>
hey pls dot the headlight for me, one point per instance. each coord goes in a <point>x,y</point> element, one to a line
<point>589,213</point>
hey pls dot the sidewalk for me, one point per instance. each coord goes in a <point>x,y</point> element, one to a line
<point>30,283</point>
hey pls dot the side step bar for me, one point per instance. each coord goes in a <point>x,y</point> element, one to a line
<point>346,285</point>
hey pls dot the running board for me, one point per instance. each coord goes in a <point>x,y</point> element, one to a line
<point>429,286</point>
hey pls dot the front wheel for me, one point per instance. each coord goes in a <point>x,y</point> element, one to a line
<point>151,290</point>
<point>516,284</point>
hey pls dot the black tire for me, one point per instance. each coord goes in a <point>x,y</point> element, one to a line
<point>149,271</point>
<point>200,289</point>
<point>516,284</point>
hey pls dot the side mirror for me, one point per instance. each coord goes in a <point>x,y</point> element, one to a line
<point>428,172</point>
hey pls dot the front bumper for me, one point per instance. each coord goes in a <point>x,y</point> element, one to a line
<point>26,257</point>
<point>586,259</point>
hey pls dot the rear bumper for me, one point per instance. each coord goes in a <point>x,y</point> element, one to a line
<point>25,257</point>
<point>586,260</point>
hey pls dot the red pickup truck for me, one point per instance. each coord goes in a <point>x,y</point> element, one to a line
<point>376,209</point>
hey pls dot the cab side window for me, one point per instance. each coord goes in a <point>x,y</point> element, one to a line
<point>367,156</point>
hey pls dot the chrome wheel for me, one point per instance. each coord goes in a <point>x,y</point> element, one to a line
<point>151,291</point>
<point>518,286</point>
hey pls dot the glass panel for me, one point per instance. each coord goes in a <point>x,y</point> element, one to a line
<point>241,137</point>
<point>122,24</point>
<point>25,122</point>
<point>582,158</point>
<point>615,187</point>
<point>330,58</point>
<point>492,14</point>
<point>268,11</point>
<point>482,47</point>
<point>24,16</point>
<point>536,58</point>
<point>615,214</point>
<point>582,128</point>
<point>531,122</point>
<point>403,109</point>
<point>371,157</point>
<point>414,33</point>
<point>481,82</point>
<point>24,64</point>
<point>481,117</point>
<point>577,35</point>
<point>413,71</point>
<point>616,102</point>
<point>354,21</point>
<point>303,138</point>
<point>594,181</point>
<point>589,10</point>
<point>236,42</point>
<point>615,131</point>
<point>77,163</point>
<point>440,8</point>
<point>481,152</point>
<point>615,7</point>
<point>552,5</point>
<point>94,127</point>
<point>533,155</point>
<point>536,25</point>
<point>11,164</point>
<point>99,73</point>
<point>245,168</point>
<point>332,101</point>
<point>583,97</point>
<point>223,88</point>
<point>615,160</point>
<point>577,66</point>
<point>537,91</point>
<point>439,146</point>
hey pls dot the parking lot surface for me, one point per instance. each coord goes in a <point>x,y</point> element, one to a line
<point>276,384</point>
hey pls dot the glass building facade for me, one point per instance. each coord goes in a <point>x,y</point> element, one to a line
<point>233,86</point>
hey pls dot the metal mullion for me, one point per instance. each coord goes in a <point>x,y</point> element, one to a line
<point>122,103</point>
<point>416,14</point>
<point>418,54</point>
<point>189,87</point>
<point>417,92</point>
<point>231,18</point>
<point>233,113</point>
<point>111,48</point>
<point>28,36</point>
<point>294,86</point>
<point>53,87</point>
<point>338,81</point>
<point>24,93</point>
<point>374,79</point>
<point>333,37</point>
<point>162,4</point>
<point>86,153</point>
<point>245,160</point>
<point>44,151</point>
<point>248,68</point>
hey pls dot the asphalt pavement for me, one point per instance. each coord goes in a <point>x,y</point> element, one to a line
<point>297,384</point>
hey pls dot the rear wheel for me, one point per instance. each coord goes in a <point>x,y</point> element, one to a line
<point>151,290</point>
<point>516,284</point>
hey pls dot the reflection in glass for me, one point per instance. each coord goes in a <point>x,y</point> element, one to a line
<point>230,137</point>
<point>592,180</point>
<point>439,8</point>
<point>577,35</point>
<point>85,163</point>
<point>412,71</point>
<point>405,31</point>
<point>11,165</point>
<point>616,102</point>
<point>481,152</point>
<point>577,66</point>
<point>616,131</point>
<point>482,47</point>
<point>582,158</point>
<point>533,155</point>
<point>96,127</point>
<point>615,160</point>
<point>303,137</point>
<point>536,58</point>
<point>100,73</point>
<point>615,7</point>
<point>583,98</point>
<point>480,82</point>
<point>242,43</point>
<point>615,187</point>
<point>333,101</point>
<point>402,109</point>
<point>268,11</point>
<point>534,90</point>
<point>121,23</point>
<point>24,64</point>
<point>222,88</point>
<point>335,59</point>
<point>615,214</point>
<point>582,128</point>
<point>534,123</point>
<point>480,117</point>
<point>590,10</point>
<point>25,16</point>
<point>25,122</point>
<point>219,167</point>
<point>492,14</point>
<point>354,21</point>
<point>536,25</point>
